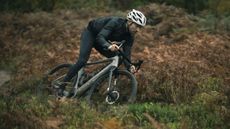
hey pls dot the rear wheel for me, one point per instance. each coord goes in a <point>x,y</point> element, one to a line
<point>55,79</point>
<point>123,89</point>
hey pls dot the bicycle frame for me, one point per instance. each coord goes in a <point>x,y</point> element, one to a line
<point>78,91</point>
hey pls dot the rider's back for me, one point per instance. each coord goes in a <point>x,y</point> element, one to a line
<point>113,27</point>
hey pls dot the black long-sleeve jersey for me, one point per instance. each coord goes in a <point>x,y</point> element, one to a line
<point>113,29</point>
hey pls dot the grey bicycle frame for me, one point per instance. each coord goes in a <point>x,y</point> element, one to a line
<point>78,91</point>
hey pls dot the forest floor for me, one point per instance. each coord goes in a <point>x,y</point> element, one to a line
<point>181,59</point>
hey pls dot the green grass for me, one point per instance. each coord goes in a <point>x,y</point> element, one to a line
<point>77,114</point>
<point>163,113</point>
<point>26,106</point>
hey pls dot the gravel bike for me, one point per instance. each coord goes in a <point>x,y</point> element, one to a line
<point>109,85</point>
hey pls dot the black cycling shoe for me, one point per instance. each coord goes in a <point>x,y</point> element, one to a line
<point>60,92</point>
<point>61,89</point>
<point>70,94</point>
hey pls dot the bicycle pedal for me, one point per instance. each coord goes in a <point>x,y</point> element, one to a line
<point>56,86</point>
<point>70,94</point>
<point>66,93</point>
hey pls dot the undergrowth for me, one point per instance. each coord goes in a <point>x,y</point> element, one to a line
<point>27,109</point>
<point>185,83</point>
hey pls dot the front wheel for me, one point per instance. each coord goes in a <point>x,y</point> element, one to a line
<point>123,89</point>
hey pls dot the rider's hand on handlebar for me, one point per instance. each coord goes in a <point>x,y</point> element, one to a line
<point>113,47</point>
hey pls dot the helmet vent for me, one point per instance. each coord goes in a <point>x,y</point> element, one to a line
<point>137,17</point>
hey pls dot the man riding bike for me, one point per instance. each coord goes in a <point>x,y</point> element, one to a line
<point>102,34</point>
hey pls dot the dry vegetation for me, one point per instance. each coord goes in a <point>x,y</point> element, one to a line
<point>181,63</point>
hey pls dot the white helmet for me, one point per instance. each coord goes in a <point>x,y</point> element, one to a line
<point>137,17</point>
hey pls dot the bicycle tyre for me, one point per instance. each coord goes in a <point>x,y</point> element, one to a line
<point>58,67</point>
<point>96,95</point>
<point>56,76</point>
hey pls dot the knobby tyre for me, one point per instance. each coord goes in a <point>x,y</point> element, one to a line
<point>125,85</point>
<point>56,76</point>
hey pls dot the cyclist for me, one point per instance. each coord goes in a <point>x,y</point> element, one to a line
<point>100,32</point>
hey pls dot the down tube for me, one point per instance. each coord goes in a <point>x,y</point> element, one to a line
<point>84,87</point>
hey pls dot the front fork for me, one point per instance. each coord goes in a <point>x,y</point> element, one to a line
<point>111,94</point>
<point>110,86</point>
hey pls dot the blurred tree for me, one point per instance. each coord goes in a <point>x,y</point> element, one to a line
<point>27,5</point>
<point>224,6</point>
<point>194,6</point>
<point>129,4</point>
<point>213,5</point>
<point>123,4</point>
<point>47,5</point>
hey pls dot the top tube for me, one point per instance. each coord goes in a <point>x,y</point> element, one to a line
<point>100,61</point>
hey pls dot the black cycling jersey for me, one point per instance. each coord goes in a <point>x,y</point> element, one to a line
<point>110,28</point>
<point>113,29</point>
<point>97,35</point>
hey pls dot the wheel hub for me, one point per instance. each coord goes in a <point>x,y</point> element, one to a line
<point>112,97</point>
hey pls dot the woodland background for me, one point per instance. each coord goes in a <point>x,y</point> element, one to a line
<point>183,84</point>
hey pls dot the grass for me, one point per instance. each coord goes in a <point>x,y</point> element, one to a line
<point>187,100</point>
<point>27,106</point>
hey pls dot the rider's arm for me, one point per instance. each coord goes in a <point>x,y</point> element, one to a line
<point>127,51</point>
<point>105,32</point>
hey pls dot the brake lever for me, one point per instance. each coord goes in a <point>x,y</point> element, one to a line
<point>119,44</point>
